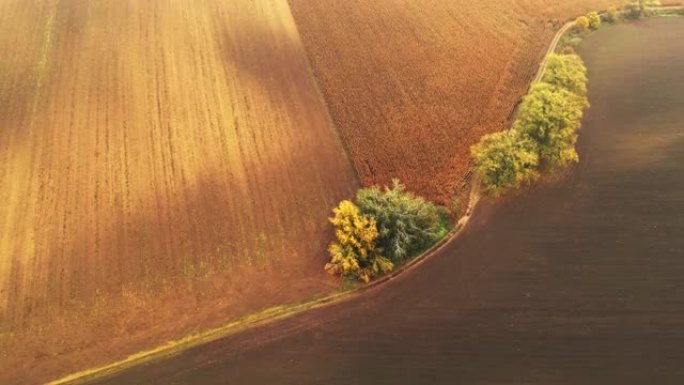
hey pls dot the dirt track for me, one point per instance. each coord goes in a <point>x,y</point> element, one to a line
<point>167,166</point>
<point>164,166</point>
<point>584,290</point>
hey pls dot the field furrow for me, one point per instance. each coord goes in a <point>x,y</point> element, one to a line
<point>164,167</point>
<point>412,84</point>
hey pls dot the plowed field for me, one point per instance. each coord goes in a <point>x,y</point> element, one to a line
<point>412,84</point>
<point>164,166</point>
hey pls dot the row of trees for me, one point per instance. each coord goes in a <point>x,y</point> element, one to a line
<point>570,40</point>
<point>545,133</point>
<point>591,21</point>
<point>634,9</point>
<point>382,228</point>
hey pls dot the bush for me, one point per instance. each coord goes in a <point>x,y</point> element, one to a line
<point>612,15</point>
<point>503,161</point>
<point>406,223</point>
<point>550,116</point>
<point>568,43</point>
<point>355,254</point>
<point>636,9</point>
<point>594,21</point>
<point>582,23</point>
<point>567,50</point>
<point>566,71</point>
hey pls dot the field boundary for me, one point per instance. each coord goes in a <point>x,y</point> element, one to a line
<point>285,311</point>
<point>331,122</point>
<point>277,313</point>
<point>265,316</point>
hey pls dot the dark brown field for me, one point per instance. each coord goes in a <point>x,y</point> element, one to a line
<point>164,166</point>
<point>167,166</point>
<point>413,84</point>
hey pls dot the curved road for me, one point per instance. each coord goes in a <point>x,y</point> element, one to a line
<point>576,281</point>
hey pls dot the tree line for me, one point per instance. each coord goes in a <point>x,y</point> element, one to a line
<point>383,227</point>
<point>543,136</point>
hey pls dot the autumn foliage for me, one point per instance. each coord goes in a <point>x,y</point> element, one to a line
<point>582,23</point>
<point>550,116</point>
<point>594,20</point>
<point>566,71</point>
<point>355,254</point>
<point>639,8</point>
<point>388,226</point>
<point>503,161</point>
<point>411,85</point>
<point>545,132</point>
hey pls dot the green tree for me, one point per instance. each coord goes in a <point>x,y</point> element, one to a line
<point>582,23</point>
<point>504,160</point>
<point>594,21</point>
<point>355,254</point>
<point>550,117</point>
<point>406,223</point>
<point>566,71</point>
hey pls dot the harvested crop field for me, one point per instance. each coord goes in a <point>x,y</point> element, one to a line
<point>412,84</point>
<point>165,166</point>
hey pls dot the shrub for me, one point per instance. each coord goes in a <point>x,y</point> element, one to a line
<point>406,223</point>
<point>582,23</point>
<point>504,160</point>
<point>566,71</point>
<point>612,15</point>
<point>594,21</point>
<point>569,42</point>
<point>567,50</point>
<point>355,254</point>
<point>638,8</point>
<point>550,117</point>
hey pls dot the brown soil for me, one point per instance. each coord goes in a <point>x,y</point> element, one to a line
<point>168,166</point>
<point>413,84</point>
<point>164,167</point>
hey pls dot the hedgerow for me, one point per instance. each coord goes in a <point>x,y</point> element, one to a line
<point>543,135</point>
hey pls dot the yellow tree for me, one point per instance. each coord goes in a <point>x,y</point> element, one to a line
<point>582,23</point>
<point>355,254</point>
<point>594,20</point>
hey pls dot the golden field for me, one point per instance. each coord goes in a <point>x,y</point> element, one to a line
<point>164,166</point>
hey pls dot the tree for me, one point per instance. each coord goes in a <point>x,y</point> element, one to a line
<point>355,254</point>
<point>406,223</point>
<point>566,71</point>
<point>582,23</point>
<point>550,116</point>
<point>638,8</point>
<point>594,21</point>
<point>612,15</point>
<point>504,160</point>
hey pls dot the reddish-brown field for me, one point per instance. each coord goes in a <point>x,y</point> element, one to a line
<point>412,84</point>
<point>165,166</point>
